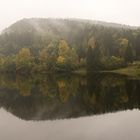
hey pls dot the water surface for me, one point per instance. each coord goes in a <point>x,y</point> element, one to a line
<point>69,107</point>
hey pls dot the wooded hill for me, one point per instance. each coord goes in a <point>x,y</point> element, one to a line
<point>67,44</point>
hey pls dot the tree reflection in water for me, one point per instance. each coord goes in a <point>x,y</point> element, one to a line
<point>43,97</point>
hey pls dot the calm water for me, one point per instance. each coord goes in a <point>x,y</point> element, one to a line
<point>69,107</point>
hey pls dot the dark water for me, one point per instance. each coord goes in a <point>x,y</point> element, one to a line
<point>69,107</point>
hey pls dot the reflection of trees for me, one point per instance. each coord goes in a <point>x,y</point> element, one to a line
<point>47,86</point>
<point>7,81</point>
<point>62,96</point>
<point>132,89</point>
<point>63,90</point>
<point>24,85</point>
<point>108,93</point>
<point>67,87</point>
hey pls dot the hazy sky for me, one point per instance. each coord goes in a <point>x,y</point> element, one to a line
<point>120,11</point>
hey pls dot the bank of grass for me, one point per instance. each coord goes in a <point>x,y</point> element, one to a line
<point>130,70</point>
<point>81,71</point>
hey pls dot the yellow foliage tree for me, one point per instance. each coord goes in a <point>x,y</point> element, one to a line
<point>24,59</point>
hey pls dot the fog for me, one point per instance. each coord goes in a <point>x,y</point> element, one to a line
<point>119,11</point>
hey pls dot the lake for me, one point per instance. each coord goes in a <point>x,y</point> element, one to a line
<point>69,107</point>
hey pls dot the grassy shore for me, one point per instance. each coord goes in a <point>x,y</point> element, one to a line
<point>81,71</point>
<point>131,70</point>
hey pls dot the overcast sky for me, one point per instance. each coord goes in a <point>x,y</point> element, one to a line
<point>120,11</point>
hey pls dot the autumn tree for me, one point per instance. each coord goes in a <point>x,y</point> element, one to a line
<point>24,60</point>
<point>67,57</point>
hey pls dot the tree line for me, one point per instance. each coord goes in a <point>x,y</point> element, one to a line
<point>57,56</point>
<point>60,57</point>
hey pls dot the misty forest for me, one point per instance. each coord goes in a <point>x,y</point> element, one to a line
<point>69,69</point>
<point>69,79</point>
<point>68,45</point>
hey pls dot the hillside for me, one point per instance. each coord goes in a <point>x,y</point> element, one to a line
<point>36,33</point>
<point>68,43</point>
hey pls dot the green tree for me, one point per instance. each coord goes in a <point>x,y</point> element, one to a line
<point>42,66</point>
<point>113,62</point>
<point>97,56</point>
<point>123,44</point>
<point>52,54</point>
<point>9,64</point>
<point>89,63</point>
<point>48,56</point>
<point>129,57</point>
<point>94,56</point>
